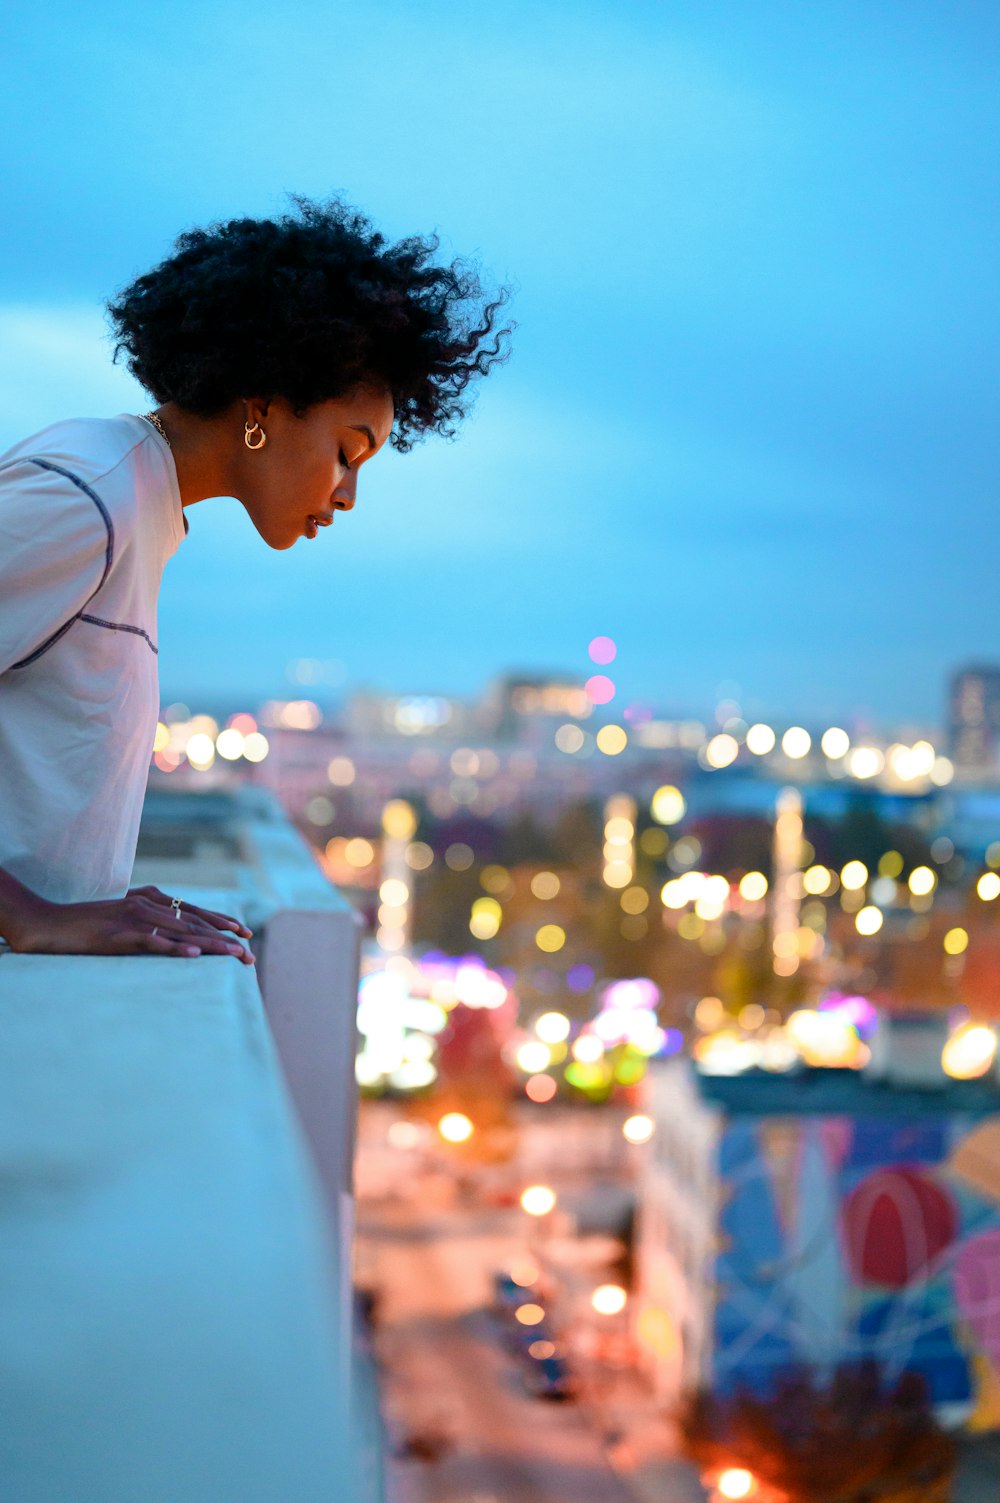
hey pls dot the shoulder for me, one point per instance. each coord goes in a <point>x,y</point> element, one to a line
<point>86,448</point>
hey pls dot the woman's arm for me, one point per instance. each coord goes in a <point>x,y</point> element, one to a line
<point>118,926</point>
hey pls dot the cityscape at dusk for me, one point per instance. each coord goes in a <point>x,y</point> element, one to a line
<point>547,1048</point>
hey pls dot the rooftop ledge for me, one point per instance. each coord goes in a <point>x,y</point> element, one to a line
<point>175,1152</point>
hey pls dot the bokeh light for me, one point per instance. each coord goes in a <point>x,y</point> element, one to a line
<point>970,1052</point>
<point>599,689</point>
<point>922,881</point>
<point>550,938</point>
<point>796,742</point>
<point>455,1127</point>
<point>602,650</point>
<point>609,1299</point>
<point>956,941</point>
<point>667,806</point>
<point>611,740</point>
<point>760,739</point>
<point>538,1200</point>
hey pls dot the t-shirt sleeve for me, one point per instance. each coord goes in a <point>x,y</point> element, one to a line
<point>56,544</point>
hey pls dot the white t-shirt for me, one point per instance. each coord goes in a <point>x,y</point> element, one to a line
<point>89,514</point>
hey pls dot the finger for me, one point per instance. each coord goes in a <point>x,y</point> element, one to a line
<point>188,921</point>
<point>172,942</point>
<point>162,944</point>
<point>217,920</point>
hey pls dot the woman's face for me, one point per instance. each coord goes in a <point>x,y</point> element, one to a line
<point>307,470</point>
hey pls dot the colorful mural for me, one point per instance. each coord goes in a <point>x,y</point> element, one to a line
<point>844,1237</point>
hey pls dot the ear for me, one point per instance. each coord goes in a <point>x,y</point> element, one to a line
<point>256,409</point>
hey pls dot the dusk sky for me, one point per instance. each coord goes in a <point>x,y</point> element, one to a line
<point>748,428</point>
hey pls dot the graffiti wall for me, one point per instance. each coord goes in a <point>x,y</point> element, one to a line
<point>849,1237</point>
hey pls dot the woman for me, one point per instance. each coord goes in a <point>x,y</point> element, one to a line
<point>283,354</point>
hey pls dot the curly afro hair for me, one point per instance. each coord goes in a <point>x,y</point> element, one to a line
<point>308,307</point>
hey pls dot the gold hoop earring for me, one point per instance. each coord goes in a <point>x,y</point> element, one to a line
<point>249,429</point>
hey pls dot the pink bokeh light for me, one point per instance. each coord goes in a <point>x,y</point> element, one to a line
<point>599,689</point>
<point>602,650</point>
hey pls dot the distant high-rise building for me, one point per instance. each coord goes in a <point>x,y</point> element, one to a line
<point>974,717</point>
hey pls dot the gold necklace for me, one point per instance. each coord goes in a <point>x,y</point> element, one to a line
<point>152,417</point>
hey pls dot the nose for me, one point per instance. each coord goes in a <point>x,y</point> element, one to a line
<point>346,491</point>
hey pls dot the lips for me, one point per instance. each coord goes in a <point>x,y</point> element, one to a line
<point>316,520</point>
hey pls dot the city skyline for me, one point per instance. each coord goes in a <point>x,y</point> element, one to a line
<point>747,429</point>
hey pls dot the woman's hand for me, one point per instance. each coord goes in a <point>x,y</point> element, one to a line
<point>143,922</point>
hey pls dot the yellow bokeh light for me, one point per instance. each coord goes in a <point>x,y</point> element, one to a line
<point>588,1049</point>
<point>988,886</point>
<point>817,880</point>
<point>611,740</point>
<point>854,876</point>
<point>956,941</point>
<point>399,819</point>
<point>618,873</point>
<point>609,1299</point>
<point>483,925</point>
<point>552,1027</point>
<point>200,751</point>
<point>638,1129</point>
<point>970,1052</point>
<point>890,865</point>
<point>835,743</point>
<point>869,920</point>
<point>255,747</point>
<point>394,891</point>
<point>529,1315</point>
<point>229,744</point>
<point>722,750</point>
<point>736,1483</point>
<point>796,742</point>
<point>533,1057</point>
<point>359,852</point>
<point>538,1200</point>
<point>667,806</point>
<point>636,899</point>
<point>922,881</point>
<point>496,879</point>
<point>709,1013</point>
<point>545,885</point>
<point>161,737</point>
<point>942,772</point>
<point>455,1127</point>
<point>866,762</point>
<point>550,938</point>
<point>753,887</point>
<point>760,739</point>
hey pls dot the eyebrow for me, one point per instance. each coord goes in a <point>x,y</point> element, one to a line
<point>364,428</point>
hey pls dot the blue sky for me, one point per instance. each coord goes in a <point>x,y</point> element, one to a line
<point>748,426</point>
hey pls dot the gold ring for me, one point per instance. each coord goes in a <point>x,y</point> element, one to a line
<point>175,904</point>
<point>153,933</point>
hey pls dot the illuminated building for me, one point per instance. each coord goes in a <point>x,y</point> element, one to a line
<point>974,703</point>
<point>821,1216</point>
